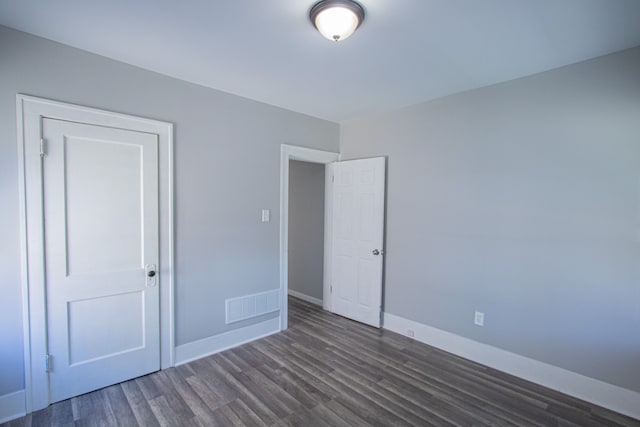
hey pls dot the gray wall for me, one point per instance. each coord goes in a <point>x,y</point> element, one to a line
<point>521,200</point>
<point>306,227</point>
<point>227,162</point>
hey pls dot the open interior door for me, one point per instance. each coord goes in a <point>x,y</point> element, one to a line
<point>357,239</point>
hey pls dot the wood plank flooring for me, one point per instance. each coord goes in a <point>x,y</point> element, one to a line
<point>326,371</point>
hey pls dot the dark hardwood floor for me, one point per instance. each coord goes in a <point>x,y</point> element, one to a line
<point>327,371</point>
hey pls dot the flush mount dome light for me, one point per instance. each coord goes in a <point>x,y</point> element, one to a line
<point>336,19</point>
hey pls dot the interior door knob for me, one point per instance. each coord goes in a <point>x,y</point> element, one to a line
<point>151,273</point>
<point>376,252</point>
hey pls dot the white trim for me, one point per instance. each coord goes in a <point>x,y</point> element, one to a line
<point>186,353</point>
<point>30,111</point>
<point>610,396</point>
<point>12,406</point>
<point>305,297</point>
<point>328,236</point>
<point>23,255</point>
<point>293,152</point>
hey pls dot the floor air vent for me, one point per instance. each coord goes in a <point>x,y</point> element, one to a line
<point>249,306</point>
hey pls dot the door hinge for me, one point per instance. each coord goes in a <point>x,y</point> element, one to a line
<point>43,147</point>
<point>47,363</point>
<point>331,288</point>
<point>333,178</point>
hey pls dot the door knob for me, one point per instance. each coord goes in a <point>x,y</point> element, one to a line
<point>377,252</point>
<point>151,274</point>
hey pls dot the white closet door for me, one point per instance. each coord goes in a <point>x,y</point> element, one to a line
<point>101,255</point>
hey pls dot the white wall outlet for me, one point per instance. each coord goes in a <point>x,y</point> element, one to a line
<point>266,215</point>
<point>479,318</point>
<point>410,333</point>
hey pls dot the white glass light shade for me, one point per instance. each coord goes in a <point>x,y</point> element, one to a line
<point>336,19</point>
<point>336,23</point>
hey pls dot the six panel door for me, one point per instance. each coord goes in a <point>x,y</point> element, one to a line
<point>357,241</point>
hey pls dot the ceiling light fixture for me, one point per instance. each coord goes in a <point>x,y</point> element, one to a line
<point>336,19</point>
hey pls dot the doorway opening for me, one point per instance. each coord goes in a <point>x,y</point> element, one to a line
<point>306,231</point>
<point>353,233</point>
<point>319,158</point>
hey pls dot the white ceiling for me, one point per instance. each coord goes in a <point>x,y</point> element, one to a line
<point>407,51</point>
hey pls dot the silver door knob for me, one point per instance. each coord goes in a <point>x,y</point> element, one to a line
<point>376,252</point>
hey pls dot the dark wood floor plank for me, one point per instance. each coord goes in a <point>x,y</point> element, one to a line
<point>326,370</point>
<point>256,405</point>
<point>216,383</point>
<point>447,387</point>
<point>92,409</point>
<point>119,406</point>
<point>302,418</point>
<point>268,393</point>
<point>335,414</point>
<point>372,368</point>
<point>468,379</point>
<point>287,356</point>
<point>265,386</point>
<point>533,411</point>
<point>212,399</point>
<point>62,413</point>
<point>245,414</point>
<point>251,358</point>
<point>176,407</point>
<point>41,418</point>
<point>165,415</point>
<point>295,372</point>
<point>223,416</point>
<point>138,404</point>
<point>230,362</point>
<point>304,393</point>
<point>611,418</point>
<point>359,402</point>
<point>148,386</point>
<point>203,414</point>
<point>400,408</point>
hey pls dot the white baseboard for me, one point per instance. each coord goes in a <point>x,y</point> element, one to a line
<point>305,297</point>
<point>198,349</point>
<point>607,395</point>
<point>12,406</point>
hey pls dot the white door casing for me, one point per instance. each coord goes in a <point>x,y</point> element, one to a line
<point>357,239</point>
<point>101,238</point>
<point>32,113</point>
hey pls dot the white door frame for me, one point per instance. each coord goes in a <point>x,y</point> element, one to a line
<point>293,152</point>
<point>30,111</point>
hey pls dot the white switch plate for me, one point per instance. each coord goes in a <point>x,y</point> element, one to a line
<point>266,215</point>
<point>479,318</point>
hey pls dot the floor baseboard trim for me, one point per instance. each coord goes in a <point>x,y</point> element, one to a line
<point>305,297</point>
<point>186,353</point>
<point>12,406</point>
<point>594,391</point>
